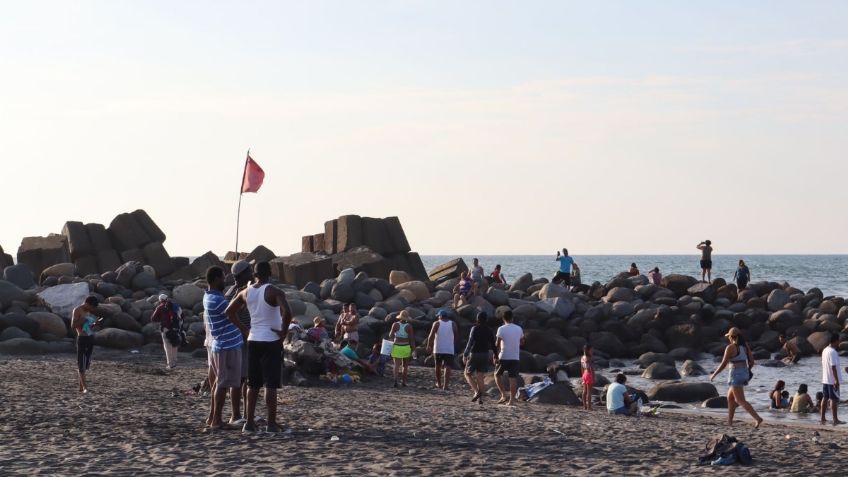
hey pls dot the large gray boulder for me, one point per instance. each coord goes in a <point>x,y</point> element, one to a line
<point>522,283</point>
<point>188,295</point>
<point>124,321</point>
<point>20,275</point>
<point>557,393</point>
<point>678,284</point>
<point>20,321</point>
<point>649,358</point>
<point>28,346</point>
<point>781,320</point>
<point>62,299</point>
<point>691,368</point>
<point>682,392</point>
<point>777,299</point>
<point>620,294</point>
<point>13,332</point>
<point>659,370</point>
<point>553,290</point>
<point>118,339</point>
<point>559,307</point>
<point>144,280</point>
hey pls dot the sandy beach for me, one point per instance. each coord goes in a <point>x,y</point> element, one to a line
<point>138,418</point>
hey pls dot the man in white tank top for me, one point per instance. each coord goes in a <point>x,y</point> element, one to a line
<point>270,317</point>
<point>445,335</point>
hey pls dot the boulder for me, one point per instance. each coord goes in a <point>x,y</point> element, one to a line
<point>62,299</point>
<point>188,295</point>
<point>59,270</point>
<point>683,336</point>
<point>108,260</point>
<point>144,280</point>
<point>497,296</point>
<point>300,268</point>
<point>26,346</point>
<point>448,270</point>
<point>203,262</point>
<point>777,299</point>
<point>87,266</point>
<point>156,256</point>
<point>20,321</point>
<point>649,358</point>
<point>607,343</point>
<point>781,320</point>
<point>397,237</point>
<point>819,340</point>
<point>704,291</point>
<point>620,294</point>
<point>522,283</point>
<point>49,323</point>
<point>679,284</point>
<point>691,368</point>
<point>558,307</point>
<point>118,339</point>
<point>127,234</point>
<point>260,254</point>
<point>557,393</point>
<point>659,370</point>
<point>553,290</point>
<point>418,288</point>
<point>13,332</point>
<point>99,237</point>
<point>10,292</point>
<point>79,245</point>
<point>153,232</point>
<point>397,277</point>
<point>124,321</point>
<point>19,275</point>
<point>718,402</point>
<point>682,392</point>
<point>544,343</point>
<point>349,233</point>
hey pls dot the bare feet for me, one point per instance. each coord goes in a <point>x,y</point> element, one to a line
<point>502,400</point>
<point>758,422</point>
<point>837,422</point>
<point>476,397</point>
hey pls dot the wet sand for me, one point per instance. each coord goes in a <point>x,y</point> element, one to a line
<point>138,418</point>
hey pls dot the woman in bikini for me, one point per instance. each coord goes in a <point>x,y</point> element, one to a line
<point>404,344</point>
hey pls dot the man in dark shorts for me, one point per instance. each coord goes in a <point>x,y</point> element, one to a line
<point>830,379</point>
<point>563,276</point>
<point>242,274</point>
<point>477,355</point>
<point>270,317</point>
<point>706,249</point>
<point>510,337</point>
<point>443,339</point>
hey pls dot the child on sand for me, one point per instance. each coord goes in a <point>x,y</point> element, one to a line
<point>588,376</point>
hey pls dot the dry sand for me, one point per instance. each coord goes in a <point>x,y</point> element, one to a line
<point>138,419</point>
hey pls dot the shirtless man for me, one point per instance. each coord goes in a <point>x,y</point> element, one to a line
<point>792,353</point>
<point>706,248</point>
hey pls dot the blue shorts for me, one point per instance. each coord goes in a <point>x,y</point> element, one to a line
<point>830,392</point>
<point>738,377</point>
<point>622,411</point>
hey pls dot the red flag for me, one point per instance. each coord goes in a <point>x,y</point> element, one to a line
<point>253,176</point>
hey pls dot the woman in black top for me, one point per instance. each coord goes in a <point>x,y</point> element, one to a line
<point>742,275</point>
<point>481,341</point>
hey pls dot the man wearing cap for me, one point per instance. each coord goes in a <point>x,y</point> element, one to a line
<point>242,274</point>
<point>167,314</point>
<point>445,334</point>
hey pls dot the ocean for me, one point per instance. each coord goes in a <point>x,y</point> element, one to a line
<point>827,272</point>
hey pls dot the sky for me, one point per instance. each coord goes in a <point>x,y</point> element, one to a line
<point>488,127</point>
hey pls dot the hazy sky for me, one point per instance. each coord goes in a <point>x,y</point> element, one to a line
<point>487,127</point>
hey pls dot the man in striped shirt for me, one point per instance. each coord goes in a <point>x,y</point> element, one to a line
<point>227,340</point>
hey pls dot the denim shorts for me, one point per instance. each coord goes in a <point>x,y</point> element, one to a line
<point>738,377</point>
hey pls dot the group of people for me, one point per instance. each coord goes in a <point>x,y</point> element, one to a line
<point>471,283</point>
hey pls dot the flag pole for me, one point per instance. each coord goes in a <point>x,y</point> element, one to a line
<point>241,186</point>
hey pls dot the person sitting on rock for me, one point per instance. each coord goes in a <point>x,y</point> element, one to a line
<point>318,332</point>
<point>498,278</point>
<point>348,352</point>
<point>575,275</point>
<point>463,291</point>
<point>476,273</point>
<point>792,353</point>
<point>618,399</point>
<point>634,270</point>
<point>655,277</point>
<point>801,401</point>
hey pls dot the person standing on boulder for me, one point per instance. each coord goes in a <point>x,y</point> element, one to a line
<point>242,274</point>
<point>655,277</point>
<point>738,356</point>
<point>225,349</point>
<point>347,328</point>
<point>706,248</point>
<point>564,274</point>
<point>270,317</point>
<point>445,335</point>
<point>83,320</point>
<point>167,314</point>
<point>481,342</point>
<point>742,275</point>
<point>510,337</point>
<point>830,379</point>
<point>477,273</point>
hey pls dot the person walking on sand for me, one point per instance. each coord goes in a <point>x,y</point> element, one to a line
<point>225,349</point>
<point>83,320</point>
<point>564,274</point>
<point>445,335</point>
<point>242,274</point>
<point>270,317</point>
<point>167,314</point>
<point>477,355</point>
<point>830,379</point>
<point>742,275</point>
<point>509,339</point>
<point>404,344</point>
<point>706,248</point>
<point>588,376</point>
<point>738,356</point>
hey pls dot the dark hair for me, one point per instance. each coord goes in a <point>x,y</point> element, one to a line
<point>482,317</point>
<point>657,269</point>
<point>262,270</point>
<point>587,348</point>
<point>498,266</point>
<point>92,301</point>
<point>781,337</point>
<point>802,389</point>
<point>708,242</point>
<point>819,396</point>
<point>507,315</point>
<point>779,386</point>
<point>633,265</point>
<point>785,394</point>
<point>343,344</point>
<point>214,273</point>
<point>565,251</point>
<point>620,378</point>
<point>834,338</point>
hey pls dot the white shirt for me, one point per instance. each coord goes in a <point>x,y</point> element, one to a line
<point>477,273</point>
<point>444,337</point>
<point>830,358</point>
<point>264,318</point>
<point>615,396</point>
<point>510,336</point>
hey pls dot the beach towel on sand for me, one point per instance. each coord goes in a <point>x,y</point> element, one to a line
<point>533,389</point>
